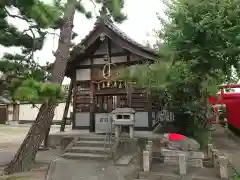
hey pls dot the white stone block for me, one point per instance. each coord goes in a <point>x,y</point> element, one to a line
<point>182,162</point>
<point>131,131</point>
<point>189,154</point>
<point>209,150</point>
<point>150,143</point>
<point>214,157</point>
<point>146,162</point>
<point>223,163</point>
<point>117,131</point>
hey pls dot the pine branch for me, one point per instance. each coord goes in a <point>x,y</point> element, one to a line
<point>16,16</point>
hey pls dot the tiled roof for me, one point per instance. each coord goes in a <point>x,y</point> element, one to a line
<point>126,37</point>
<point>109,24</point>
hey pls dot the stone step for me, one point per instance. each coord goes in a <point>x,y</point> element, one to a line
<point>89,156</point>
<point>93,143</point>
<point>86,149</point>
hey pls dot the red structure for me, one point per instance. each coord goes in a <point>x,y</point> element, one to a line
<point>232,103</point>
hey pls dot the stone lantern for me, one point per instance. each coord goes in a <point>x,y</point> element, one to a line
<point>123,117</point>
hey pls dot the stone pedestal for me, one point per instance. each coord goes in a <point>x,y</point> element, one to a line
<point>146,162</point>
<point>182,162</point>
<point>117,131</point>
<point>131,132</point>
<point>223,163</point>
<point>209,150</point>
<point>123,117</point>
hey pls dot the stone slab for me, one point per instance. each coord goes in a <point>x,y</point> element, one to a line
<point>192,163</point>
<point>175,153</point>
<point>124,160</point>
<point>194,158</point>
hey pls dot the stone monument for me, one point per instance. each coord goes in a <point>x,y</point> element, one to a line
<point>123,117</point>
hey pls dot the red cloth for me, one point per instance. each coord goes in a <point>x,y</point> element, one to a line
<point>212,100</point>
<point>175,137</point>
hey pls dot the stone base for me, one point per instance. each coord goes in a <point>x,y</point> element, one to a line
<point>194,158</point>
<point>65,142</point>
<point>191,163</point>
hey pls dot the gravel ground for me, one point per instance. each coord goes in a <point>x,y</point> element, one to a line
<point>11,138</point>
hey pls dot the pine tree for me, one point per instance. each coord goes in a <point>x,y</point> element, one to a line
<point>26,154</point>
<point>21,68</point>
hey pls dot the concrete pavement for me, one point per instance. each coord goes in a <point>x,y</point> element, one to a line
<point>63,169</point>
<point>11,138</point>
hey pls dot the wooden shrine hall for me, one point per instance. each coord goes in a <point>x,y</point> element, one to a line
<point>93,68</point>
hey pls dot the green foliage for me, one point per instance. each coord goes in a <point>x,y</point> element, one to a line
<point>204,33</point>
<point>235,177</point>
<point>35,92</point>
<point>21,69</point>
<point>199,46</point>
<point>114,8</point>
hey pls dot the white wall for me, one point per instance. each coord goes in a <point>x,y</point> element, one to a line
<point>26,112</point>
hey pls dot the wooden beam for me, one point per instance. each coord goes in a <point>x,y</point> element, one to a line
<point>68,101</point>
<point>93,56</point>
<point>129,94</point>
<point>128,57</point>
<point>74,101</point>
<point>149,104</point>
<point>128,46</point>
<point>101,65</point>
<point>109,48</point>
<point>92,103</point>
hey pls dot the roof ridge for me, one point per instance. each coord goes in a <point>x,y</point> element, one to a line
<point>127,37</point>
<point>110,24</point>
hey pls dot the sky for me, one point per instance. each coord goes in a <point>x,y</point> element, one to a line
<point>141,22</point>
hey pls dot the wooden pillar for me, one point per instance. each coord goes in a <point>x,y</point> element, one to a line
<point>92,107</point>
<point>92,100</point>
<point>149,107</point>
<point>129,94</point>
<point>68,101</point>
<point>74,102</point>
<point>118,101</point>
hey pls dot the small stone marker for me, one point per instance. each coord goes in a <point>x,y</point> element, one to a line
<point>214,157</point>
<point>182,164</point>
<point>223,163</point>
<point>209,150</point>
<point>146,162</point>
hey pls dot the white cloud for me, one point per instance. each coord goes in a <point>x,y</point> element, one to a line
<point>141,21</point>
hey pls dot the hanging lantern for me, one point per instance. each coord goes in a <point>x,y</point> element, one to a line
<point>108,84</point>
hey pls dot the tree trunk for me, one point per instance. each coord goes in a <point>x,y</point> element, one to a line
<point>69,97</point>
<point>26,154</point>
<point>45,143</point>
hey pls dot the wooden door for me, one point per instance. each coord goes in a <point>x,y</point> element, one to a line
<point>3,114</point>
